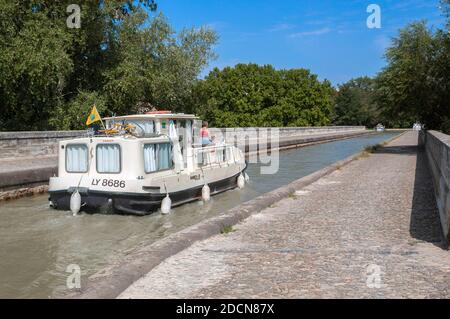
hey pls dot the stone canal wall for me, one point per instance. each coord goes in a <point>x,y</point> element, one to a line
<point>28,159</point>
<point>15,145</point>
<point>437,148</point>
<point>254,139</point>
<point>32,144</point>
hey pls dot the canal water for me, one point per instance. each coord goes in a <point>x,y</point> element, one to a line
<point>37,244</point>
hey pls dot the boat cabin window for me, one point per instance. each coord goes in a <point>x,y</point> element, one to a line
<point>157,157</point>
<point>147,126</point>
<point>76,158</point>
<point>108,158</point>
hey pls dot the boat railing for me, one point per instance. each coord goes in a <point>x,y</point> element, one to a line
<point>214,154</point>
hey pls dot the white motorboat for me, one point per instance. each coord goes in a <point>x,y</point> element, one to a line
<point>379,127</point>
<point>139,160</point>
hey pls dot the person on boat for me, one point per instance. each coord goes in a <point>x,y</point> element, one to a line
<point>204,134</point>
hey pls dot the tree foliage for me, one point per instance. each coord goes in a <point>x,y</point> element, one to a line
<point>253,95</point>
<point>121,56</point>
<point>126,54</point>
<point>415,84</point>
<point>355,103</point>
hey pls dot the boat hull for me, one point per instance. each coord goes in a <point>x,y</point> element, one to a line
<point>135,203</point>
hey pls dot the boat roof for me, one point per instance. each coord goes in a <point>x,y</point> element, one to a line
<point>173,116</point>
<point>115,137</point>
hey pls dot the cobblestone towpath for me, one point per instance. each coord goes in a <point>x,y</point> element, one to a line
<point>368,230</point>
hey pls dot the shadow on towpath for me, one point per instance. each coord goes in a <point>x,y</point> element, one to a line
<point>425,224</point>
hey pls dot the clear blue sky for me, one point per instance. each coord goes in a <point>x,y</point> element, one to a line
<point>328,37</point>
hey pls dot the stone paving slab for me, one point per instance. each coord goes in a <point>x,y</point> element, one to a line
<point>368,230</point>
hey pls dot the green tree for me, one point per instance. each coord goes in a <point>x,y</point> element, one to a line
<point>415,84</point>
<point>355,105</point>
<point>73,114</point>
<point>34,64</point>
<point>153,64</point>
<point>253,95</point>
<point>121,56</point>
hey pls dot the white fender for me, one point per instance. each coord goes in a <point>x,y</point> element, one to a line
<point>241,181</point>
<point>75,202</point>
<point>247,178</point>
<point>206,193</point>
<point>166,205</point>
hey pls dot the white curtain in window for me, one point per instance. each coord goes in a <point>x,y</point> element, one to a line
<point>172,131</point>
<point>177,157</point>
<point>189,132</point>
<point>164,156</point>
<point>149,158</point>
<point>108,158</point>
<point>157,157</point>
<point>77,158</point>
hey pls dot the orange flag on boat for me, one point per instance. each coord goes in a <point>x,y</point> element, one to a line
<point>94,116</point>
